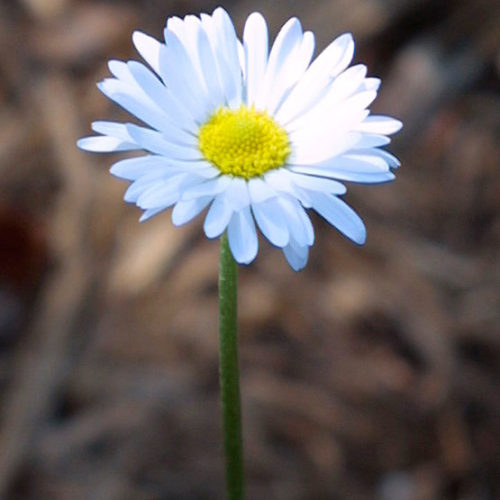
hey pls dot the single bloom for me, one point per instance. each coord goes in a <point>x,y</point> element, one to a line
<point>257,136</point>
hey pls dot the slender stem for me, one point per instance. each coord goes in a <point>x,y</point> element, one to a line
<point>229,372</point>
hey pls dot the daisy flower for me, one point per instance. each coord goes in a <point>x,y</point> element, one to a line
<point>257,136</point>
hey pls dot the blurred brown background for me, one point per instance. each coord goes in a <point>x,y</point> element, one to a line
<point>372,374</point>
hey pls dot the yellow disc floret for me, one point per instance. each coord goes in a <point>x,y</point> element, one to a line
<point>243,142</point>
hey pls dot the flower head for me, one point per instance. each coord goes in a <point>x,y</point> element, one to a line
<point>257,136</point>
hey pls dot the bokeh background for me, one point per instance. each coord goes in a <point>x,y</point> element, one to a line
<point>372,374</point>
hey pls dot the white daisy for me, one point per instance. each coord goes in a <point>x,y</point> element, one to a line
<point>257,136</point>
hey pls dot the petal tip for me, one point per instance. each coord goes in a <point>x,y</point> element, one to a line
<point>256,15</point>
<point>220,11</point>
<point>137,36</point>
<point>80,143</point>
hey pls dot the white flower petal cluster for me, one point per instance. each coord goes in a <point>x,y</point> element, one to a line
<point>321,104</point>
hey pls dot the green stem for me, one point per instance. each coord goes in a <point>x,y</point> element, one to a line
<point>229,372</point>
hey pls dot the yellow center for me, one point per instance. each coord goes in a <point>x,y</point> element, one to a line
<point>244,142</point>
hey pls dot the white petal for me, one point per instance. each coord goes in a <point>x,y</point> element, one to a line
<point>184,30</point>
<point>237,194</point>
<point>342,52</point>
<point>154,142</point>
<point>347,82</point>
<point>347,175</point>
<point>296,255</point>
<point>311,87</point>
<point>298,221</point>
<point>242,236</point>
<point>322,185</point>
<point>143,184</point>
<point>230,89</point>
<point>176,25</point>
<point>379,124</point>
<point>184,211</point>
<point>371,141</point>
<point>307,226</point>
<point>341,216</point>
<point>260,190</point>
<point>371,84</point>
<point>309,153</point>
<point>120,70</point>
<point>366,178</point>
<point>199,167</point>
<point>391,160</point>
<point>211,188</point>
<point>363,161</point>
<point>132,101</point>
<point>149,48</point>
<point>287,40</point>
<point>147,214</point>
<point>134,168</point>
<point>195,40</point>
<point>157,197</point>
<point>290,72</point>
<point>271,221</point>
<point>335,117</point>
<point>207,65</point>
<point>227,52</point>
<point>281,181</point>
<point>157,193</point>
<point>167,191</point>
<point>255,38</point>
<point>337,134</point>
<point>178,117</point>
<point>218,217</point>
<point>104,144</point>
<point>349,163</point>
<point>181,76</point>
<point>241,59</point>
<point>334,102</point>
<point>131,169</point>
<point>113,129</point>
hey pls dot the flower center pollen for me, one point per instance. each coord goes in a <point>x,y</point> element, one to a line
<point>244,142</point>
